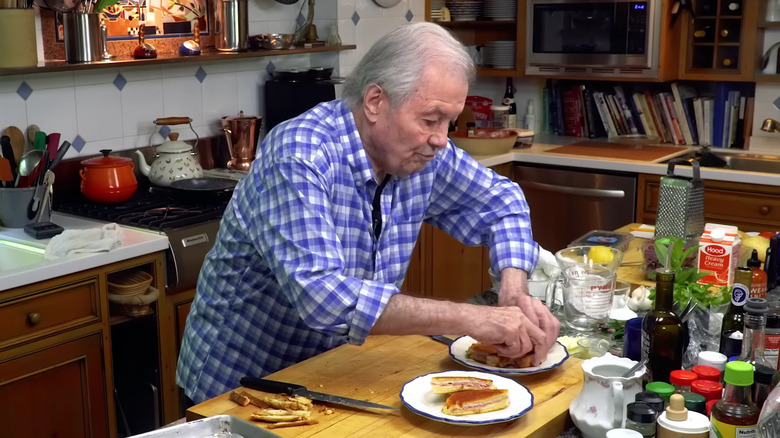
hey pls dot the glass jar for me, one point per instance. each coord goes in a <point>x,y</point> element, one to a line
<point>500,113</point>
<point>641,417</point>
<point>681,380</point>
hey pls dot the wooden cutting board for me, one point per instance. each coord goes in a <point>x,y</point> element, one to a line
<point>376,372</point>
<point>603,149</point>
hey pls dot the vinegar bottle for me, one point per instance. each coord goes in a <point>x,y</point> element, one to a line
<point>735,415</point>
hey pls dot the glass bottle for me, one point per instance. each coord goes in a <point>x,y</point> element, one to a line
<point>753,333</point>
<point>763,383</point>
<point>735,415</point>
<point>758,282</point>
<point>770,264</point>
<point>333,37</point>
<point>662,331</point>
<point>509,100</point>
<point>733,319</point>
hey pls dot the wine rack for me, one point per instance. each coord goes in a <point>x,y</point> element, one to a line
<point>720,45</point>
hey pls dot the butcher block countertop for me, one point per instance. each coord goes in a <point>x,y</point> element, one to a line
<point>376,372</point>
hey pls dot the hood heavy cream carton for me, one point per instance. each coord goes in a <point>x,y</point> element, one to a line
<point>719,254</point>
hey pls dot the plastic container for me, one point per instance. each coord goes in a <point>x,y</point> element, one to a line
<point>707,388</point>
<point>681,380</point>
<point>678,421</point>
<point>713,359</point>
<point>663,389</point>
<point>603,238</point>
<point>769,419</point>
<point>695,402</point>
<point>706,372</point>
<point>623,433</point>
<point>500,115</point>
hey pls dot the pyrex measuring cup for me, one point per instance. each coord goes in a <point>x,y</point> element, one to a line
<point>587,282</point>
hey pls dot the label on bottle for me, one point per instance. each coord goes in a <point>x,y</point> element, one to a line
<point>511,122</point>
<point>772,347</point>
<point>646,352</point>
<point>739,294</point>
<point>719,429</point>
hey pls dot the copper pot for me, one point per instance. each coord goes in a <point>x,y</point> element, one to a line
<point>241,133</point>
<point>108,179</point>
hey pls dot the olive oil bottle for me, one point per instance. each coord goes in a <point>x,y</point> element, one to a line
<point>662,331</point>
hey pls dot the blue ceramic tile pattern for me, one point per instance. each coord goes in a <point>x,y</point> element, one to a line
<point>300,20</point>
<point>355,18</point>
<point>270,68</point>
<point>164,131</point>
<point>24,91</point>
<point>200,75</point>
<point>120,82</point>
<point>409,15</point>
<point>78,143</point>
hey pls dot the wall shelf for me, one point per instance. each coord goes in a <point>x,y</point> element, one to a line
<point>164,59</point>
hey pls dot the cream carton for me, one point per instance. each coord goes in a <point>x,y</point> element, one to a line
<point>719,254</point>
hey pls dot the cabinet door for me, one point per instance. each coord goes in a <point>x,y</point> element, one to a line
<point>720,43</point>
<point>55,392</point>
<point>182,311</point>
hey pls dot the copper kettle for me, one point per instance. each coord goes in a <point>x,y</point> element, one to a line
<point>242,133</point>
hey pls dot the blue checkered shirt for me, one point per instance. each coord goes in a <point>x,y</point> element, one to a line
<point>296,270</point>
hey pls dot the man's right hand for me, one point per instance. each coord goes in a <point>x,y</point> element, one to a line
<point>511,331</point>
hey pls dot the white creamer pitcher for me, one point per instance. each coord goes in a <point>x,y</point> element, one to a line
<point>601,406</point>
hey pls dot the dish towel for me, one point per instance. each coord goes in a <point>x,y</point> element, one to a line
<point>71,242</point>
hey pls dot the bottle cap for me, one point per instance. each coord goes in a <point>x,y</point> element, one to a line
<point>763,374</point>
<point>676,411</point>
<point>694,402</point>
<point>707,388</point>
<point>753,261</point>
<point>710,404</point>
<point>663,389</point>
<point>651,398</point>
<point>756,306</point>
<point>713,359</point>
<point>717,234</point>
<point>499,108</point>
<point>641,412</point>
<point>682,377</point>
<point>739,373</point>
<point>706,372</point>
<point>623,433</point>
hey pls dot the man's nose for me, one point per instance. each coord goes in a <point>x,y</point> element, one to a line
<point>438,139</point>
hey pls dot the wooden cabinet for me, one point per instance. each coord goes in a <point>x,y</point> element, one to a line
<point>56,368</point>
<point>481,32</point>
<point>750,207</point>
<point>720,43</point>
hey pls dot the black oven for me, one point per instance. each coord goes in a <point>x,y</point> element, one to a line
<point>593,36</point>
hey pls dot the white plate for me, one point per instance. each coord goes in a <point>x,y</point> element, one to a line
<point>418,396</point>
<point>555,357</point>
<point>387,3</point>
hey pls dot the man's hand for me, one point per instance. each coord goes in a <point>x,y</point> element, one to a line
<point>514,292</point>
<point>509,330</point>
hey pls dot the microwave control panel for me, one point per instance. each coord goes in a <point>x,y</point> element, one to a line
<point>637,28</point>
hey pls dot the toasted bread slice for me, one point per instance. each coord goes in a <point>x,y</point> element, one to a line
<point>280,401</point>
<point>486,353</point>
<point>277,415</point>
<point>476,402</point>
<point>448,385</point>
<point>239,398</point>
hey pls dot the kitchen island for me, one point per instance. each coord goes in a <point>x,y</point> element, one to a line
<point>376,372</point>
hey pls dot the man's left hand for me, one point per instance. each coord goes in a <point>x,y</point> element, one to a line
<point>514,292</point>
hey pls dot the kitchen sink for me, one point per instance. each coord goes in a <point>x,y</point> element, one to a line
<point>738,161</point>
<point>15,255</point>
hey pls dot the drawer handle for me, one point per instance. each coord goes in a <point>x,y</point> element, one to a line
<point>34,318</point>
<point>764,210</point>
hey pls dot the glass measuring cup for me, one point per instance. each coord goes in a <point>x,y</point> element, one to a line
<point>587,283</point>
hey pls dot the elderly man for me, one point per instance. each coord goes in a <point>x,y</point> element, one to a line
<point>313,248</point>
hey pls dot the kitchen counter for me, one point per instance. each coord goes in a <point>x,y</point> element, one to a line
<point>539,153</point>
<point>377,370</point>
<point>19,267</point>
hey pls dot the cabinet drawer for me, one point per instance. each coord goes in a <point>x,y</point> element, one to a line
<point>743,207</point>
<point>42,314</point>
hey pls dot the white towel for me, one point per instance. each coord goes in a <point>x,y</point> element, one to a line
<point>71,242</point>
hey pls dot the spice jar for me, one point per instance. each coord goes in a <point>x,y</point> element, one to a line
<point>681,380</point>
<point>663,389</point>
<point>641,417</point>
<point>709,389</point>
<point>500,114</point>
<point>654,400</point>
<point>677,421</point>
<point>706,372</point>
<point>695,402</point>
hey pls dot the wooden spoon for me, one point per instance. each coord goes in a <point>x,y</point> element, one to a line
<point>31,130</point>
<point>17,141</point>
<point>5,172</point>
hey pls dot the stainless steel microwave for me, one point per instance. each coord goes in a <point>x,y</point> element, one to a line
<point>593,37</point>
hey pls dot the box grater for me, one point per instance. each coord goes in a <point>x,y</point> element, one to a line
<point>680,204</point>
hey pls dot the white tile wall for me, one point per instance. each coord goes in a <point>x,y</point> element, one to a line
<point>89,105</point>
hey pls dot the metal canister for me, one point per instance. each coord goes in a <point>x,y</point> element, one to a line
<point>230,25</point>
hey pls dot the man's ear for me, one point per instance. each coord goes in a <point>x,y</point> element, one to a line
<point>372,102</point>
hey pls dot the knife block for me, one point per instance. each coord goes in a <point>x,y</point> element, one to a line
<point>17,38</point>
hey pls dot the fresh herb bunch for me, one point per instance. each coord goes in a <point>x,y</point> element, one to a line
<point>686,277</point>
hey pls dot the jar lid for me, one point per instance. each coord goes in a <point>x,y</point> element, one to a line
<point>106,161</point>
<point>663,389</point>
<point>756,306</point>
<point>499,108</point>
<point>739,373</point>
<point>695,424</point>
<point>623,433</point>
<point>706,372</point>
<point>772,320</point>
<point>174,145</point>
<point>641,412</point>
<point>682,377</point>
<point>763,374</point>
<point>694,402</point>
<point>713,359</point>
<point>707,388</point>
<point>652,399</point>
<point>710,404</point>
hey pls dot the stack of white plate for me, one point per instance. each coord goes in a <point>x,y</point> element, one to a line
<point>436,12</point>
<point>465,10</point>
<point>499,54</point>
<point>500,10</point>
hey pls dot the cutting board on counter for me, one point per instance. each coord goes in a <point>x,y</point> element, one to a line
<point>622,151</point>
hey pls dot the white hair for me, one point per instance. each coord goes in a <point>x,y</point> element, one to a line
<point>397,60</point>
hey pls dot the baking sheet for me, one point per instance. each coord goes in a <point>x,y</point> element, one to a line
<point>218,426</point>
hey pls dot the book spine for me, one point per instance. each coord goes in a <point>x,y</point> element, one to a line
<point>656,116</point>
<point>620,100</point>
<point>606,119</point>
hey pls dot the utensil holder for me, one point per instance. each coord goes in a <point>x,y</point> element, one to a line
<point>230,25</point>
<point>14,203</point>
<point>83,37</point>
<point>680,204</point>
<point>17,38</point>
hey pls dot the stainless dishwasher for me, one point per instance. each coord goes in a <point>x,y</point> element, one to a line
<point>567,202</point>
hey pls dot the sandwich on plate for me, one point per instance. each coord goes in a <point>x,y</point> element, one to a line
<point>486,353</point>
<point>450,384</point>
<point>476,402</point>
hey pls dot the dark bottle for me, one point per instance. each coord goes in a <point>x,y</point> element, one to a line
<point>733,320</point>
<point>770,264</point>
<point>509,100</point>
<point>662,331</point>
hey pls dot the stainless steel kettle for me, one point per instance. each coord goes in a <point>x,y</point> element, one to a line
<point>242,133</point>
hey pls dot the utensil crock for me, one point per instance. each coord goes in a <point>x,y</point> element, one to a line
<point>108,179</point>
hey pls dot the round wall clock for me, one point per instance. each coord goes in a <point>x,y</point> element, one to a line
<point>387,3</point>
